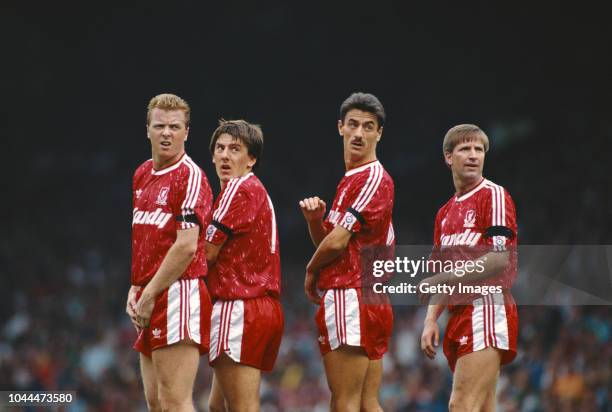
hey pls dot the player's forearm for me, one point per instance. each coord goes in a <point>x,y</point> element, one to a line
<point>317,232</point>
<point>329,249</point>
<point>433,313</point>
<point>175,263</point>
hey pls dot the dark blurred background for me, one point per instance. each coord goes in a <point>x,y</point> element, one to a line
<point>76,79</point>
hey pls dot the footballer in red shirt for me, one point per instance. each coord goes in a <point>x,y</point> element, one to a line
<point>477,224</point>
<point>353,334</point>
<point>244,279</point>
<point>168,301</point>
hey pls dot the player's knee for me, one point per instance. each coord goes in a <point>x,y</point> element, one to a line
<point>371,405</point>
<point>459,403</point>
<point>153,403</point>
<point>172,400</point>
<point>243,405</point>
<point>345,403</point>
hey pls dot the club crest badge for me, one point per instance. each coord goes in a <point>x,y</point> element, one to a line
<point>470,219</point>
<point>162,197</point>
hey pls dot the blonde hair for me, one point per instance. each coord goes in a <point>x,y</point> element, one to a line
<point>167,101</point>
<point>461,133</point>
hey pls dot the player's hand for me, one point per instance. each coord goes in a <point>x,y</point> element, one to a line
<point>430,338</point>
<point>130,305</point>
<point>310,288</point>
<point>313,208</point>
<point>144,309</point>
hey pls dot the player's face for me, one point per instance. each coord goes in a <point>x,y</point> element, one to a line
<point>467,159</point>
<point>231,158</point>
<point>360,132</point>
<point>167,133</point>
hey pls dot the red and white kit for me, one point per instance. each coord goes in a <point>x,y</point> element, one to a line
<point>364,206</point>
<point>467,227</point>
<point>247,319</point>
<point>166,201</point>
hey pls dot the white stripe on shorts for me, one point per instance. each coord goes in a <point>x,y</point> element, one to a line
<point>226,329</point>
<point>173,313</point>
<point>489,323</point>
<point>478,325</point>
<point>183,311</point>
<point>194,311</point>
<point>501,322</point>
<point>342,317</point>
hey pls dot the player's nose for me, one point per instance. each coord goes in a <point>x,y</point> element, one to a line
<point>359,132</point>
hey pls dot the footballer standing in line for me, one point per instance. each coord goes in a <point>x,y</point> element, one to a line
<point>168,301</point>
<point>478,222</point>
<point>245,277</point>
<point>353,334</point>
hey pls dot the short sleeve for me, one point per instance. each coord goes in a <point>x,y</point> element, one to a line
<point>234,214</point>
<point>192,203</point>
<point>369,200</point>
<point>500,228</point>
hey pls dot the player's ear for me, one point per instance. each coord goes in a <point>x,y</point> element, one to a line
<point>251,162</point>
<point>380,130</point>
<point>340,127</point>
<point>186,133</point>
<point>448,159</point>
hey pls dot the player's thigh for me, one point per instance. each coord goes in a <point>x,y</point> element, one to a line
<point>176,367</point>
<point>346,368</point>
<point>239,383</point>
<point>475,374</point>
<point>216,400</point>
<point>149,382</point>
<point>371,386</point>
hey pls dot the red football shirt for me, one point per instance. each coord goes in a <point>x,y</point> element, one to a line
<point>480,221</point>
<point>165,201</point>
<point>363,205</point>
<point>248,264</point>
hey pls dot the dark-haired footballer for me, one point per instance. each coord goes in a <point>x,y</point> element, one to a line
<point>353,334</point>
<point>244,279</point>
